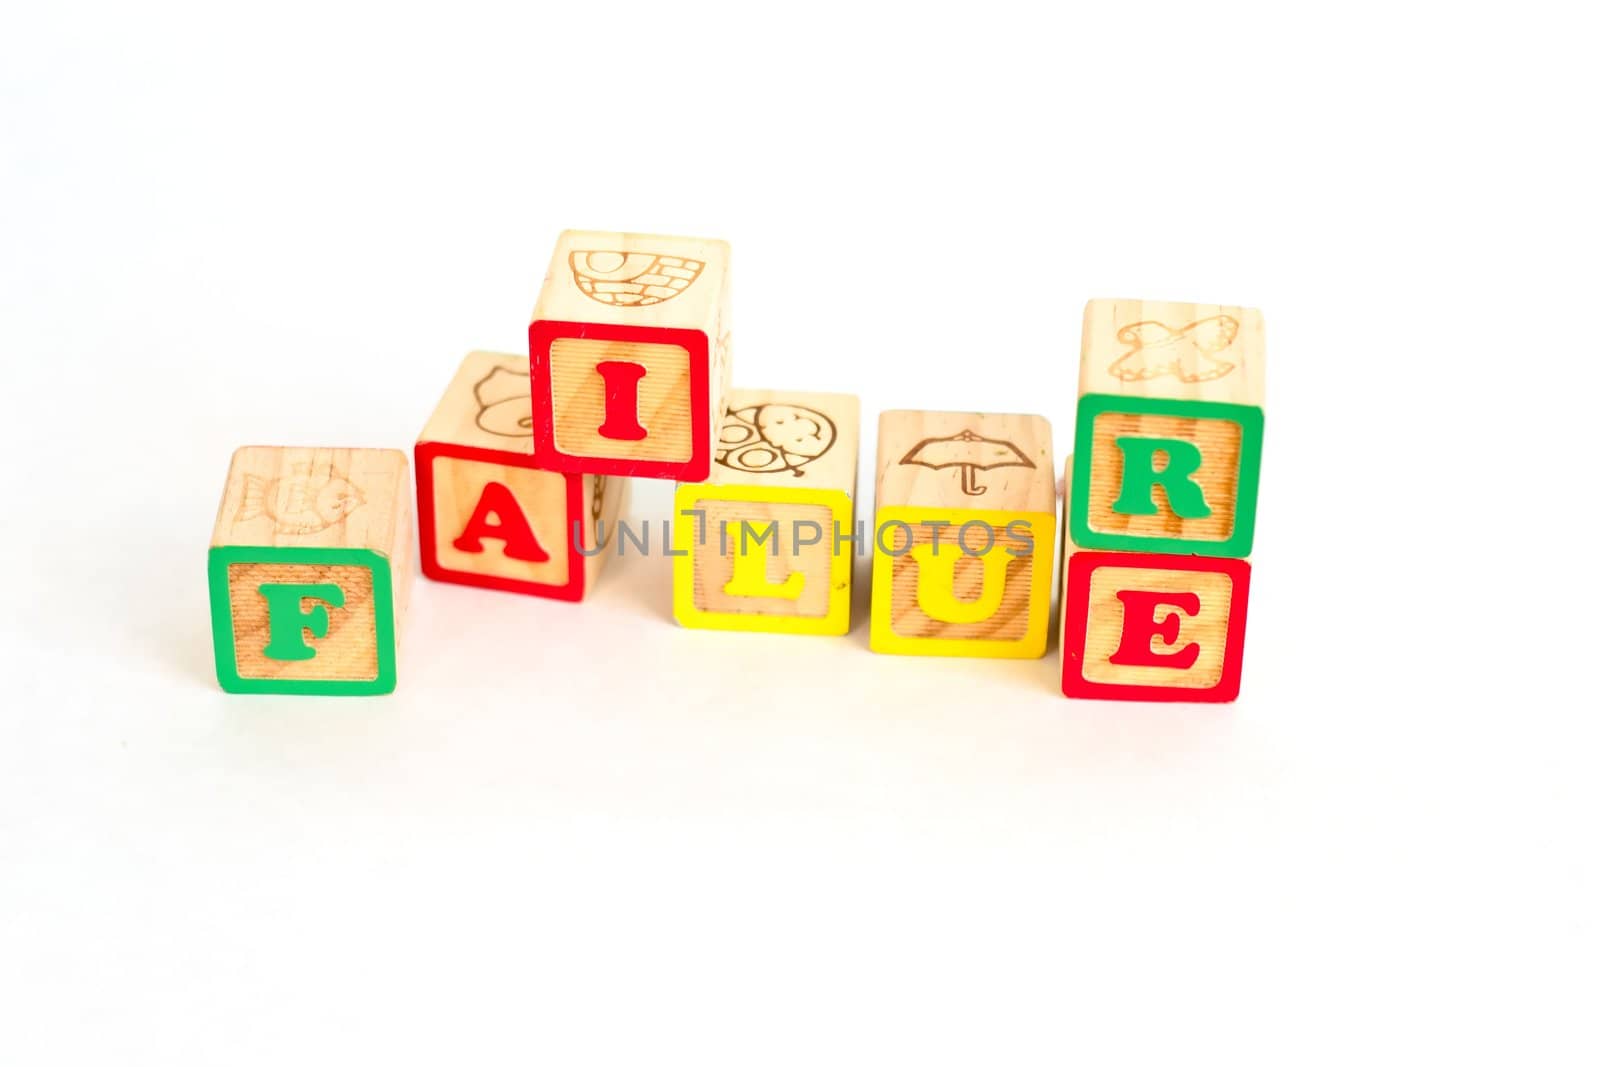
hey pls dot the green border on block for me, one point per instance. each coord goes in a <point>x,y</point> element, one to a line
<point>1250,421</point>
<point>222,619</point>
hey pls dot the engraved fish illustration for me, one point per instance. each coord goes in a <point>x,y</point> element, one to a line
<point>300,503</point>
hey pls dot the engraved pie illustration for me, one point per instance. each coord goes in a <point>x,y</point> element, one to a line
<point>632,279</point>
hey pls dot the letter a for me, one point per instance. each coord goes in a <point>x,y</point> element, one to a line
<point>936,584</point>
<point>510,525</point>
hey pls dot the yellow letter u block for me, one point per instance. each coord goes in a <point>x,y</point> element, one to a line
<point>962,583</point>
<point>965,536</point>
<point>767,543</point>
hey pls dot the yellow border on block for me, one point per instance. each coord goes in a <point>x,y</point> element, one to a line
<point>1034,640</point>
<point>835,623</point>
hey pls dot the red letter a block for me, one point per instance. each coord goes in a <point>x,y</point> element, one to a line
<point>1147,627</point>
<point>488,515</point>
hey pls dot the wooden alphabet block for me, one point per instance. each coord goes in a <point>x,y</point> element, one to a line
<point>1138,626</point>
<point>965,534</point>
<point>1168,444</point>
<point>767,542</point>
<point>629,352</point>
<point>489,514</point>
<point>310,570</point>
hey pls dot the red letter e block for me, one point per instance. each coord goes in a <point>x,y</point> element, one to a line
<point>1149,627</point>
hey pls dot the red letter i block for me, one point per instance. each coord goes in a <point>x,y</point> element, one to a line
<point>629,354</point>
<point>489,516</point>
<point>1147,627</point>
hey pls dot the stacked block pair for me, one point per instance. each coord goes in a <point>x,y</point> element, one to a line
<point>524,468</point>
<point>630,362</point>
<point>1161,500</point>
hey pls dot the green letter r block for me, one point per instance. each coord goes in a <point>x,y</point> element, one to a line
<point>1142,478</point>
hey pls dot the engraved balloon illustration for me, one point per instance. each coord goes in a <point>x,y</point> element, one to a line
<point>632,279</point>
<point>767,438</point>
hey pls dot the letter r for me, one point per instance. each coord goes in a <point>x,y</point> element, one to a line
<point>1140,477</point>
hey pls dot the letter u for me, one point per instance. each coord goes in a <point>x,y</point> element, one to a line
<point>936,584</point>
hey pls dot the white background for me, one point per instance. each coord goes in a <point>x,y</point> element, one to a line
<point>580,834</point>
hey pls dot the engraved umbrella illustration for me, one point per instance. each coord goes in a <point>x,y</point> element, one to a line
<point>969,452</point>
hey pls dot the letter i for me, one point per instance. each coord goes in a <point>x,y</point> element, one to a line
<point>622,400</point>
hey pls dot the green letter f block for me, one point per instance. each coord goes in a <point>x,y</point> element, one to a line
<point>289,620</point>
<point>298,616</point>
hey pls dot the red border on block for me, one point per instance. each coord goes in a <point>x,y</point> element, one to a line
<point>697,468</point>
<point>1082,565</point>
<point>427,526</point>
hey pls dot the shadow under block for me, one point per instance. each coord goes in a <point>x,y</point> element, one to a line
<point>310,570</point>
<point>1140,626</point>
<point>629,353</point>
<point>757,546</point>
<point>1167,453</point>
<point>487,513</point>
<point>965,533</point>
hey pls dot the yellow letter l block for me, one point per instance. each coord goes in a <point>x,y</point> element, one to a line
<point>762,557</point>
